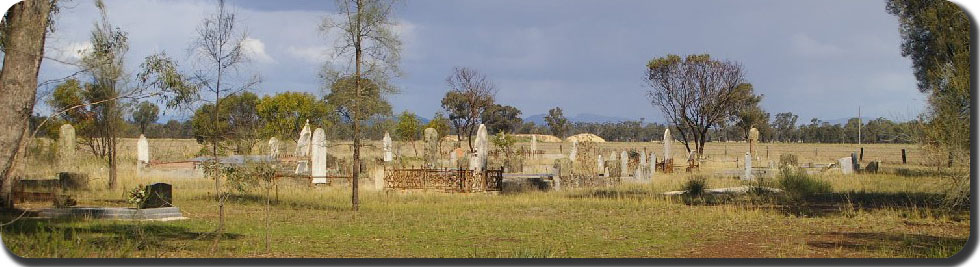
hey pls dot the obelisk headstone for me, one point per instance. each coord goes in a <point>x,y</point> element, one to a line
<point>482,149</point>
<point>386,146</point>
<point>318,157</point>
<point>667,142</point>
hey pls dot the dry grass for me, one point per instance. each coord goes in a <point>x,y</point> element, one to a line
<point>873,215</point>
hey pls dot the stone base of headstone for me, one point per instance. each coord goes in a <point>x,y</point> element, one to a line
<point>73,180</point>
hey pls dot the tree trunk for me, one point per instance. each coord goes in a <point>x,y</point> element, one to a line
<point>27,23</point>
<point>356,170</point>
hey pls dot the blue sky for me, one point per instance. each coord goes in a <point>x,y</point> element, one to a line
<point>813,58</point>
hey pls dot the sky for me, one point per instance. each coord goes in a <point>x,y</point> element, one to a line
<point>819,59</point>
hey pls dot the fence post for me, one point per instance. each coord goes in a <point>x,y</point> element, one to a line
<point>903,156</point>
<point>862,154</point>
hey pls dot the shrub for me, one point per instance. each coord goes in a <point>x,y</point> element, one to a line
<point>788,160</point>
<point>799,185</point>
<point>695,186</point>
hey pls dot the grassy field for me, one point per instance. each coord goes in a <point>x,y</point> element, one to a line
<point>894,214</point>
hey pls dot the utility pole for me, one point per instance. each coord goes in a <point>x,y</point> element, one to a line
<point>859,125</point>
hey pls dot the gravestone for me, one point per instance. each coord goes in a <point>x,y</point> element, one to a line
<point>600,165</point>
<point>318,157</point>
<point>643,159</point>
<point>574,152</point>
<point>845,165</point>
<point>872,167</point>
<point>66,146</point>
<point>475,162</point>
<point>431,150</point>
<point>854,162</point>
<point>303,143</point>
<point>386,146</point>
<point>482,147</point>
<point>73,180</point>
<point>613,155</point>
<point>158,195</point>
<point>624,160</point>
<point>453,159</point>
<point>534,144</point>
<point>142,151</point>
<point>667,141</point>
<point>753,139</point>
<point>748,167</point>
<point>274,147</point>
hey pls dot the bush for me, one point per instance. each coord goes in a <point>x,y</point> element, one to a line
<point>788,160</point>
<point>695,186</point>
<point>799,185</point>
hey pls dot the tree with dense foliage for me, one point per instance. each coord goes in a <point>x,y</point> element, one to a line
<point>343,97</point>
<point>936,36</point>
<point>696,93</point>
<point>371,44</point>
<point>500,118</point>
<point>470,94</point>
<point>144,114</point>
<point>784,126</point>
<point>284,114</point>
<point>557,122</point>
<point>238,122</point>
<point>440,123</point>
<point>23,30</point>
<point>408,128</point>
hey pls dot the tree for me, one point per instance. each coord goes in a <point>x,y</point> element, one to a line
<point>344,98</point>
<point>936,36</point>
<point>408,128</point>
<point>22,34</point>
<point>219,45</point>
<point>284,114</point>
<point>557,122</point>
<point>499,118</point>
<point>440,123</point>
<point>146,113</point>
<point>470,94</point>
<point>369,39</point>
<point>784,126</point>
<point>695,94</point>
<point>238,122</point>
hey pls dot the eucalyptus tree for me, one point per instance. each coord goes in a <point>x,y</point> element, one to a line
<point>367,49</point>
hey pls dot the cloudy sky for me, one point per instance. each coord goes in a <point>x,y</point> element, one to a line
<point>813,58</point>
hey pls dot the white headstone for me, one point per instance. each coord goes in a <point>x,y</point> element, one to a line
<point>142,150</point>
<point>612,155</point>
<point>846,166</point>
<point>482,147</point>
<point>386,145</point>
<point>573,154</point>
<point>667,141</point>
<point>318,157</point>
<point>534,143</point>
<point>475,162</point>
<point>748,167</point>
<point>623,164</point>
<point>600,165</point>
<point>643,159</point>
<point>653,164</point>
<point>303,144</point>
<point>274,147</point>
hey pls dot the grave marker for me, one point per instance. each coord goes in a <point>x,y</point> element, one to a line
<point>318,157</point>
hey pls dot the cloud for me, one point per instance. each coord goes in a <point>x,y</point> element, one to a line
<point>311,54</point>
<point>72,51</point>
<point>804,45</point>
<point>255,50</point>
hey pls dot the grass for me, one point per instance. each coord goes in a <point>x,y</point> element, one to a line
<point>868,215</point>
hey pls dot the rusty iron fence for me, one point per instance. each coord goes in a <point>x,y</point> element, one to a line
<point>446,180</point>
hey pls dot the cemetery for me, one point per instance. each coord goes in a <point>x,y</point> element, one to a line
<point>341,129</point>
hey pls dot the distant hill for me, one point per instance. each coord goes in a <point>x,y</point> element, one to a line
<point>582,117</point>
